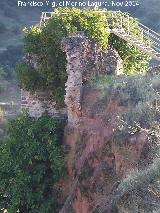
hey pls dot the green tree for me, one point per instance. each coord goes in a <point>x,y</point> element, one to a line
<point>44,45</point>
<point>134,60</point>
<point>31,161</point>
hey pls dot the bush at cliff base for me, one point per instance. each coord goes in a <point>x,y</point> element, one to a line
<point>31,161</point>
<point>43,45</point>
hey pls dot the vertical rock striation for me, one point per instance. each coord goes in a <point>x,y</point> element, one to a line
<point>85,59</point>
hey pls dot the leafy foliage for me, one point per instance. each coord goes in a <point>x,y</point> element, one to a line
<point>31,78</point>
<point>139,192</point>
<point>101,81</point>
<point>44,44</point>
<point>134,60</point>
<point>141,96</point>
<point>31,161</point>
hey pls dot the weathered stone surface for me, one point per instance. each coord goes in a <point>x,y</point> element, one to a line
<point>95,164</point>
<point>37,107</point>
<point>73,48</point>
<point>85,59</point>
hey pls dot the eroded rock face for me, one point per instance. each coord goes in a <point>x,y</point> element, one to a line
<point>128,155</point>
<point>85,59</point>
<point>73,49</point>
<point>95,164</point>
<point>36,105</point>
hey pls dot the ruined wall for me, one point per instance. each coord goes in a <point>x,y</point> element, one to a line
<point>85,59</point>
<point>36,105</point>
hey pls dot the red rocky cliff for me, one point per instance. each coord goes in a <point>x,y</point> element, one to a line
<point>95,164</point>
